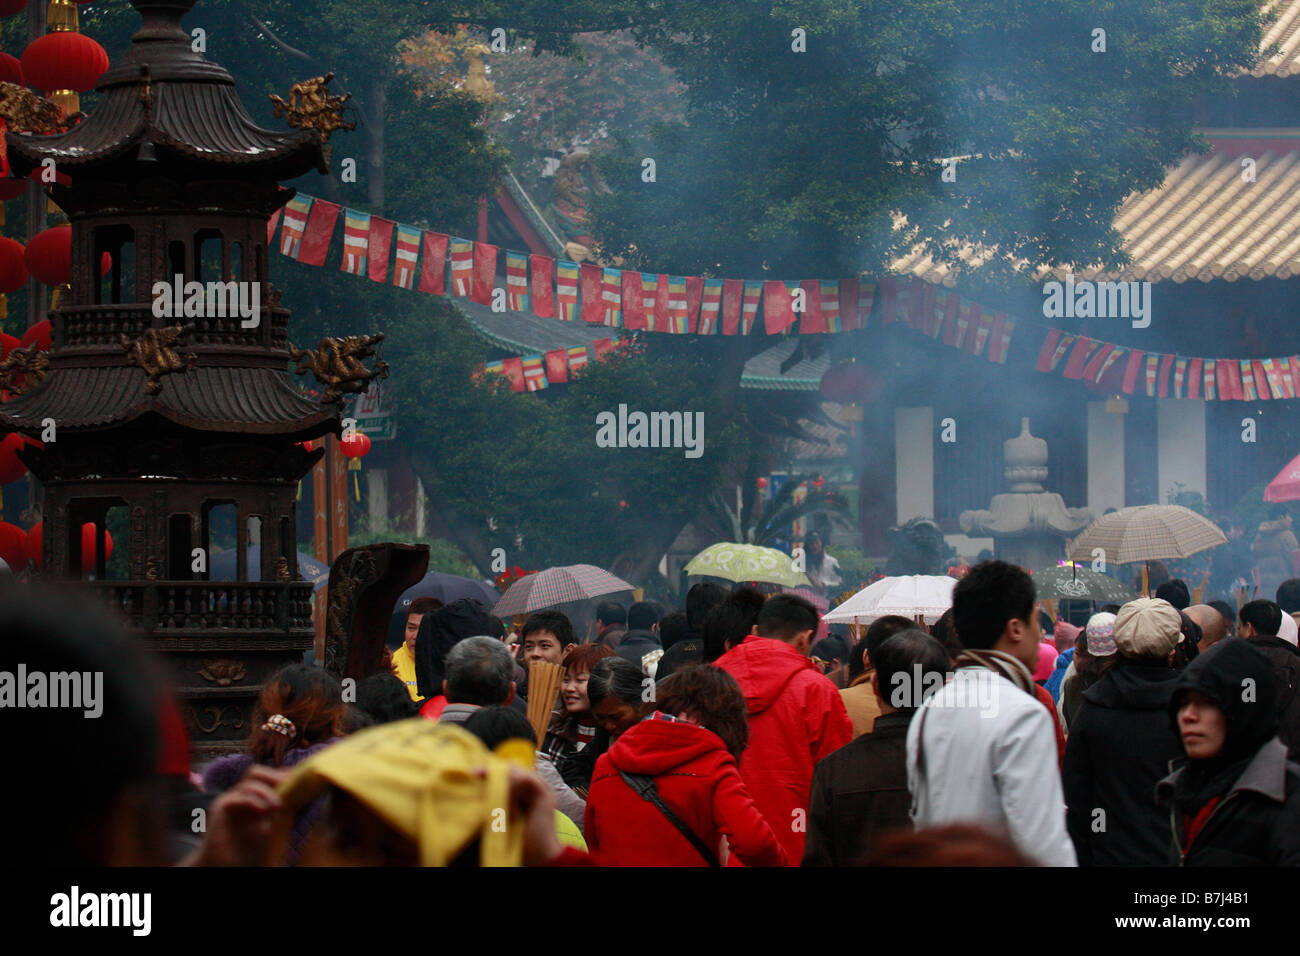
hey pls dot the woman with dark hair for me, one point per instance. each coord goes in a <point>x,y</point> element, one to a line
<point>616,692</point>
<point>572,724</point>
<point>669,789</point>
<point>300,711</point>
<point>822,568</point>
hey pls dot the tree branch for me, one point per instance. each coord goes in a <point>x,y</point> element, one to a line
<point>292,51</point>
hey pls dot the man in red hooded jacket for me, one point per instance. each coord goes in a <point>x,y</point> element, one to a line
<point>796,716</point>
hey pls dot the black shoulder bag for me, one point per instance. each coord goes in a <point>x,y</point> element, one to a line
<point>645,786</point>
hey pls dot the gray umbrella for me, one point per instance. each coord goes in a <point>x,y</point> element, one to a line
<point>1063,582</point>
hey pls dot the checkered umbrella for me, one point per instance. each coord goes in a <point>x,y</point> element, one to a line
<point>1147,533</point>
<point>572,582</point>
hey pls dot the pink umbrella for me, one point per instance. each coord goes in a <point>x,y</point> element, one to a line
<point>1286,486</point>
<point>811,596</point>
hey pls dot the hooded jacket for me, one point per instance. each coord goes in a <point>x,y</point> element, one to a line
<point>636,644</point>
<point>440,631</point>
<point>796,717</point>
<point>1242,806</point>
<point>1120,746</point>
<point>696,777</point>
<point>1286,672</point>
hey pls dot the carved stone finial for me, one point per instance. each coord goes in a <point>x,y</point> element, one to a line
<point>337,364</point>
<point>155,354</point>
<point>312,106</point>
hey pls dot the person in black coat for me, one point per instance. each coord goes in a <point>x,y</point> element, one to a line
<point>1121,743</point>
<point>689,649</point>
<point>1234,800</point>
<point>1259,624</point>
<point>642,635</point>
<point>860,790</point>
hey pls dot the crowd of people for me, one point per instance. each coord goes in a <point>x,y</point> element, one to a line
<point>735,732</point>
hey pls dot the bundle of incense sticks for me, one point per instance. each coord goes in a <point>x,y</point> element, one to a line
<point>544,681</point>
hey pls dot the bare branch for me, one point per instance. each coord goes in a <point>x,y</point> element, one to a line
<point>292,51</point>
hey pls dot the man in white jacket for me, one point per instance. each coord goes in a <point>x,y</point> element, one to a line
<point>982,749</point>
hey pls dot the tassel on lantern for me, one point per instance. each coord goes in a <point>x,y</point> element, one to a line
<point>68,101</point>
<point>354,466</point>
<point>298,496</point>
<point>4,306</point>
<point>61,292</point>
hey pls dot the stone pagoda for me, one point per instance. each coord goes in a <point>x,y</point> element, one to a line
<point>170,413</point>
<point>1028,524</point>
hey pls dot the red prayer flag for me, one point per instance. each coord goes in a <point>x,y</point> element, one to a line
<point>433,270</point>
<point>1261,380</point>
<point>1194,378</point>
<point>733,294</point>
<point>694,296</point>
<point>1092,371</point>
<point>593,299</point>
<point>514,370</point>
<point>543,286</point>
<point>888,299</point>
<point>812,319</point>
<point>485,273</point>
<point>633,307</point>
<point>849,318</point>
<point>1166,366</point>
<point>1045,353</point>
<point>381,240</point>
<point>602,347</point>
<point>557,366</point>
<point>1078,357</point>
<point>270,223</point>
<point>1135,360</point>
<point>778,306</point>
<point>320,229</point>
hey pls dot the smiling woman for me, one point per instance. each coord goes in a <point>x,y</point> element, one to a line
<point>572,724</point>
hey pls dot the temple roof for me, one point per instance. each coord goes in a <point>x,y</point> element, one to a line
<point>1285,33</point>
<point>165,93</point>
<point>213,398</point>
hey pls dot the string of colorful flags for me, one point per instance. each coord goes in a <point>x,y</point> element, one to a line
<point>442,264</point>
<point>1117,368</point>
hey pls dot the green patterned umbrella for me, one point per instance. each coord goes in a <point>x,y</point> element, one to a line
<point>1065,583</point>
<point>747,562</point>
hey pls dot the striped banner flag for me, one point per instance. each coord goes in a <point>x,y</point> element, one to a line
<point>677,309</point>
<point>381,240</point>
<point>1209,381</point>
<point>1261,380</point>
<point>462,266</point>
<point>534,373</point>
<point>408,252</point>
<point>433,271</point>
<point>1092,372</point>
<point>566,289</point>
<point>710,306</point>
<point>271,224</point>
<point>320,230</point>
<point>611,293</point>
<point>981,325</point>
<point>1272,377</point>
<point>1248,380</point>
<point>1000,343</point>
<point>591,278</point>
<point>1295,375</point>
<point>1151,371</point>
<point>968,320</point>
<point>557,366</point>
<point>753,294</point>
<point>1111,361</point>
<point>1180,376</point>
<point>1286,378</point>
<point>812,320</point>
<point>356,241</point>
<point>830,289</point>
<point>516,281</point>
<point>543,294</point>
<point>577,359</point>
<point>649,299</point>
<point>295,224</point>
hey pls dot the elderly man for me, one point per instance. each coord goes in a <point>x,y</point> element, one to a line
<point>1213,627</point>
<point>480,672</point>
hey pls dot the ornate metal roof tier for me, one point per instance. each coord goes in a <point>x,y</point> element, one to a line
<point>164,93</point>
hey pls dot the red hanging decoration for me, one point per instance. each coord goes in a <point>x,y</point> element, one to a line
<point>105,264</point>
<point>355,447</point>
<point>64,61</point>
<point>13,268</point>
<point>9,7</point>
<point>762,482</point>
<point>11,70</point>
<point>49,255</point>
<point>88,547</point>
<point>38,335</point>
<point>11,469</point>
<point>13,546</point>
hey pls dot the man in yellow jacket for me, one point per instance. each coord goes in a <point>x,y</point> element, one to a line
<point>404,656</point>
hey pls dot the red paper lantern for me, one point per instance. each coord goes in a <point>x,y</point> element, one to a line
<point>11,469</point>
<point>9,7</point>
<point>11,70</point>
<point>49,255</point>
<point>7,344</point>
<point>13,268</point>
<point>38,335</point>
<point>762,482</point>
<point>64,61</point>
<point>13,546</point>
<point>88,547</point>
<point>355,447</point>
<point>851,383</point>
<point>818,482</point>
<point>12,188</point>
<point>36,542</point>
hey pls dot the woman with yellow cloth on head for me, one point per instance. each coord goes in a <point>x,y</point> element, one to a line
<point>410,793</point>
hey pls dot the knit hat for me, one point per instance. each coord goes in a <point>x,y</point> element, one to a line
<point>1101,634</point>
<point>1065,634</point>
<point>1046,662</point>
<point>419,778</point>
<point>1147,627</point>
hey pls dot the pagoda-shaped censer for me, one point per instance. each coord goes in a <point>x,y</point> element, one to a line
<point>170,404</point>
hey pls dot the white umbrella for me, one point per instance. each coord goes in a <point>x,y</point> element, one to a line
<point>928,595</point>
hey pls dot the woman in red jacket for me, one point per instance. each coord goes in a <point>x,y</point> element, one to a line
<point>688,749</point>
